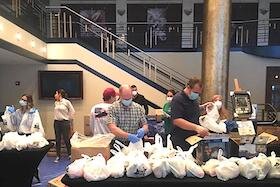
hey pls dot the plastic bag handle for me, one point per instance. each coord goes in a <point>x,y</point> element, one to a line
<point>120,144</point>
<point>117,147</point>
<point>114,152</point>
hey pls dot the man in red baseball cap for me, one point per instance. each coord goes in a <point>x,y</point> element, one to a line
<point>99,112</point>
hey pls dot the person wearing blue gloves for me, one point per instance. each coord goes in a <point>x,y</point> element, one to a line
<point>126,119</point>
<point>26,119</point>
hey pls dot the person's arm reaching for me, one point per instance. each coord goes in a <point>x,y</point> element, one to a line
<point>145,103</point>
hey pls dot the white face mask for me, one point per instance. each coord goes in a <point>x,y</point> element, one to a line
<point>134,93</point>
<point>169,99</point>
<point>218,104</point>
<point>22,102</point>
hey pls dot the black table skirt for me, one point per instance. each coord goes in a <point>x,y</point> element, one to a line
<point>170,181</point>
<point>17,168</point>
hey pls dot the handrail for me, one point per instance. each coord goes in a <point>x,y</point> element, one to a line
<point>273,110</point>
<point>140,50</point>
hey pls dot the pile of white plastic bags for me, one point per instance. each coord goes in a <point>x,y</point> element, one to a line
<point>136,161</point>
<point>12,140</point>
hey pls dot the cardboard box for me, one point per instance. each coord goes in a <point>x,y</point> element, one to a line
<point>56,182</point>
<point>87,129</point>
<point>76,152</point>
<point>259,145</point>
<point>159,115</point>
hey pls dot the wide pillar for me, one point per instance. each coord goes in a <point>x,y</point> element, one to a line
<point>215,48</point>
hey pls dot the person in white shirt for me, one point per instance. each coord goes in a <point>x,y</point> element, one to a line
<point>63,114</point>
<point>26,119</point>
<point>99,112</point>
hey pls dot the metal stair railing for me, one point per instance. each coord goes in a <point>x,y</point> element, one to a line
<point>67,23</point>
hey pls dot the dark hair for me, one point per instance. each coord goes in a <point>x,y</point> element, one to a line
<point>193,81</point>
<point>62,93</point>
<point>133,86</point>
<point>172,91</point>
<point>29,100</point>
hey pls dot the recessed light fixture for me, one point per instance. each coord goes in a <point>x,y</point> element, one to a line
<point>276,76</point>
<point>18,36</point>
<point>33,44</point>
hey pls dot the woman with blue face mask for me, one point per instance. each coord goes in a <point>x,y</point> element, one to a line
<point>26,119</point>
<point>185,112</point>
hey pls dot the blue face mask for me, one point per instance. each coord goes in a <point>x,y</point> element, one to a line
<point>126,102</point>
<point>193,96</point>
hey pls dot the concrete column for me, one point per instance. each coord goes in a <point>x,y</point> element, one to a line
<point>215,48</point>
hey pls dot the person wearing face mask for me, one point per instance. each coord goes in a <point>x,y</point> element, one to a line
<point>167,111</point>
<point>126,119</point>
<point>185,112</point>
<point>63,114</point>
<point>99,112</point>
<point>224,113</point>
<point>26,119</point>
<point>140,99</point>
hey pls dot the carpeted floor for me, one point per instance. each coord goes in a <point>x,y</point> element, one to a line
<point>49,170</point>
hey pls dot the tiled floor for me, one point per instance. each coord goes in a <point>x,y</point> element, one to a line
<point>49,170</point>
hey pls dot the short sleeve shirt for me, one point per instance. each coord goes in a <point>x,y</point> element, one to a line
<point>185,108</point>
<point>129,119</point>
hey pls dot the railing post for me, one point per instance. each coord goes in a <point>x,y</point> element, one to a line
<point>151,37</point>
<point>113,49</point>
<point>155,73</point>
<point>51,25</point>
<point>150,68</point>
<point>128,52</point>
<point>70,26</point>
<point>58,24</point>
<point>107,45</point>
<point>64,25</point>
<point>101,42</point>
<point>146,38</point>
<point>241,39</point>
<point>195,37</point>
<point>144,66</point>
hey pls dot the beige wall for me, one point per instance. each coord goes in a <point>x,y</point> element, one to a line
<point>93,88</point>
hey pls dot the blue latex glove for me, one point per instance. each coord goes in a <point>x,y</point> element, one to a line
<point>32,110</point>
<point>133,138</point>
<point>231,125</point>
<point>11,109</point>
<point>140,133</point>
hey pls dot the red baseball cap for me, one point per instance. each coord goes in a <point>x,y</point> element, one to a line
<point>109,92</point>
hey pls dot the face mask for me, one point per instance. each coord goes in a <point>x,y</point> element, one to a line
<point>22,102</point>
<point>218,104</point>
<point>134,93</point>
<point>169,99</point>
<point>126,102</point>
<point>193,96</point>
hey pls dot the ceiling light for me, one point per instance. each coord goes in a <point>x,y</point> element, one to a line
<point>33,44</point>
<point>44,49</point>
<point>18,36</point>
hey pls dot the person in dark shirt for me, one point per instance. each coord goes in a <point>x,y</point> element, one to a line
<point>140,99</point>
<point>185,111</point>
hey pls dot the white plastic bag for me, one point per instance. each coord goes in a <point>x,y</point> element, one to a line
<point>274,172</point>
<point>263,165</point>
<point>227,169</point>
<point>76,169</point>
<point>96,169</point>
<point>191,167</point>
<point>117,162</point>
<point>138,165</point>
<point>177,166</point>
<point>247,168</point>
<point>210,166</point>
<point>210,120</point>
<point>160,167</point>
